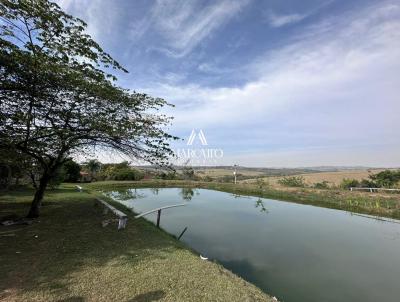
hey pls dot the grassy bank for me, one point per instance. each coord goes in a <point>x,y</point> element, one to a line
<point>379,204</point>
<point>68,256</point>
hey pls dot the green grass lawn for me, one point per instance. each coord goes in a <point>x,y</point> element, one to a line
<point>68,256</point>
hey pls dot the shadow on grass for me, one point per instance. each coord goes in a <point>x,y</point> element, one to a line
<point>28,192</point>
<point>150,296</point>
<point>52,255</point>
<point>72,299</point>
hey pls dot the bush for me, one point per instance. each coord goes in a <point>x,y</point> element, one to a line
<point>172,175</point>
<point>127,174</point>
<point>387,178</point>
<point>292,181</point>
<point>188,173</point>
<point>261,183</point>
<point>366,183</point>
<point>322,185</point>
<point>347,183</point>
<point>207,178</point>
<point>226,178</point>
<point>120,171</point>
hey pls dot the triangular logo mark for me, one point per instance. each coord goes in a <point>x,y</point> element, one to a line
<point>201,136</point>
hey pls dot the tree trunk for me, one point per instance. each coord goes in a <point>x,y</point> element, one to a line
<point>6,176</point>
<point>37,199</point>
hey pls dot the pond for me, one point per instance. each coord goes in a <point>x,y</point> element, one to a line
<point>291,251</point>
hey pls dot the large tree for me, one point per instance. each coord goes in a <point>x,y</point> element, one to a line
<point>58,100</point>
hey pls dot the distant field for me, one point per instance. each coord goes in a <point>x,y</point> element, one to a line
<point>223,172</point>
<point>272,175</point>
<point>337,177</point>
<point>243,172</point>
<point>334,178</point>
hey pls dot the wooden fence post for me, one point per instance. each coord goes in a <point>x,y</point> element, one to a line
<point>158,217</point>
<point>183,232</point>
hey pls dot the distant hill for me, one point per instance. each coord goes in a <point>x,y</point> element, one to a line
<point>338,168</point>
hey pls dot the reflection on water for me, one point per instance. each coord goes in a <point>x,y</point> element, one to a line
<point>127,195</point>
<point>154,190</point>
<point>295,252</point>
<point>131,194</point>
<point>260,204</point>
<point>187,193</point>
<point>240,196</point>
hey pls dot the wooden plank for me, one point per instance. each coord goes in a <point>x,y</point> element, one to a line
<point>162,208</point>
<point>110,207</point>
<point>123,218</point>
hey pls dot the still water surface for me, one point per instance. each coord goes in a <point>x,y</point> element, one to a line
<point>291,251</point>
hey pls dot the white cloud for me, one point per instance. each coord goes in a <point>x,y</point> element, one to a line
<point>281,20</point>
<point>98,14</point>
<point>278,20</point>
<point>185,24</point>
<point>313,70</point>
<point>339,81</point>
<point>180,25</point>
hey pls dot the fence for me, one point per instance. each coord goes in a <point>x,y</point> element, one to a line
<point>374,189</point>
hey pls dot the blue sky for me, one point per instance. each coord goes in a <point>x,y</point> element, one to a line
<point>273,83</point>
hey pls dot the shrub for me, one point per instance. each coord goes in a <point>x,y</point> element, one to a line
<point>322,185</point>
<point>188,173</point>
<point>207,178</point>
<point>347,183</point>
<point>261,183</point>
<point>120,171</point>
<point>292,181</point>
<point>226,178</point>
<point>366,183</point>
<point>387,178</point>
<point>172,175</point>
<point>127,174</point>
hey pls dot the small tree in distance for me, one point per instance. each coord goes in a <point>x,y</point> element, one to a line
<point>292,181</point>
<point>56,100</point>
<point>71,171</point>
<point>93,166</point>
